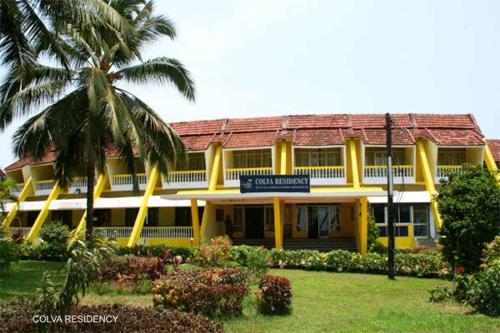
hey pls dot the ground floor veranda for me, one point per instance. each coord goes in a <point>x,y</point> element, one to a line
<point>286,221</point>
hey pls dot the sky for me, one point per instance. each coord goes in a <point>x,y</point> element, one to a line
<point>276,57</point>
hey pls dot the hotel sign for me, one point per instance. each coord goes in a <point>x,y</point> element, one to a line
<point>275,183</point>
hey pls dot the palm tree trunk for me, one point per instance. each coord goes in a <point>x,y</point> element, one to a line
<point>90,199</point>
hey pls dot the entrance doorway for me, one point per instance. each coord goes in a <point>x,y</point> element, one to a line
<point>254,222</point>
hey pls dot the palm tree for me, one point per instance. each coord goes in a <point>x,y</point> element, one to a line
<point>27,30</point>
<point>87,113</point>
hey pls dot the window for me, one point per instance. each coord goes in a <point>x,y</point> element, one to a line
<point>183,216</point>
<point>404,214</point>
<point>238,222</point>
<point>196,161</point>
<point>301,218</point>
<point>334,218</point>
<point>152,217</point>
<point>451,156</point>
<point>416,214</point>
<point>421,220</point>
<point>378,212</point>
<point>378,156</point>
<point>269,218</point>
<point>130,216</point>
<point>258,158</point>
<point>318,157</point>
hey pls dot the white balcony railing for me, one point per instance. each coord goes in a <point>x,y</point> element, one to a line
<point>114,232</point>
<point>79,184</point>
<point>443,170</point>
<point>44,187</point>
<point>232,175</point>
<point>124,182</point>
<point>377,174</point>
<point>186,179</point>
<point>322,175</point>
<point>167,232</point>
<point>16,189</point>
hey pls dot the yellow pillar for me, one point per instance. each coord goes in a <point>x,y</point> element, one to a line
<point>429,181</point>
<point>363,226</point>
<point>354,163</point>
<point>283,158</point>
<point>27,189</point>
<point>204,221</point>
<point>278,223</point>
<point>143,210</point>
<point>43,213</point>
<point>196,222</point>
<point>214,175</point>
<point>99,187</point>
<point>490,162</point>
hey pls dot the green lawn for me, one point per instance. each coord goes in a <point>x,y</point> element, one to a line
<point>322,302</point>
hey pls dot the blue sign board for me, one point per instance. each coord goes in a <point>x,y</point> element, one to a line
<point>275,183</point>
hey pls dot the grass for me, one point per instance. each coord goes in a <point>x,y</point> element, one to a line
<point>322,302</point>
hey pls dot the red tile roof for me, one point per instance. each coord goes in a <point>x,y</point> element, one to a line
<point>312,130</point>
<point>494,148</point>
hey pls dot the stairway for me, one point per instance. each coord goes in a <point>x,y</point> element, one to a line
<point>323,245</point>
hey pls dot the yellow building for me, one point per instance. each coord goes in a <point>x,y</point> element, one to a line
<point>342,155</point>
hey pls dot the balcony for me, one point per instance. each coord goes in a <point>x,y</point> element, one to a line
<point>323,175</point>
<point>186,179</point>
<point>114,232</point>
<point>377,174</point>
<point>16,189</point>
<point>167,232</point>
<point>124,182</point>
<point>79,185</point>
<point>44,187</point>
<point>442,171</point>
<point>232,175</point>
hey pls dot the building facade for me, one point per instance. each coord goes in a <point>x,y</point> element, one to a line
<point>343,154</point>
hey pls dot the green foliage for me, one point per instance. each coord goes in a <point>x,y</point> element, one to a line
<point>55,232</point>
<point>373,232</point>
<point>45,251</point>
<point>211,292</point>
<point>9,253</point>
<point>257,263</point>
<point>216,253</point>
<point>274,295</point>
<point>439,294</point>
<point>47,300</point>
<point>469,204</point>
<point>378,247</point>
<point>429,264</point>
<point>16,316</point>
<point>160,250</point>
<point>132,269</point>
<point>484,290</point>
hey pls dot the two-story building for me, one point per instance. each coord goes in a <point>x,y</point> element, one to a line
<point>344,155</point>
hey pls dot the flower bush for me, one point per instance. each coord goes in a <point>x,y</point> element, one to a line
<point>274,295</point>
<point>132,269</point>
<point>16,316</point>
<point>428,264</point>
<point>158,251</point>
<point>211,292</point>
<point>216,253</point>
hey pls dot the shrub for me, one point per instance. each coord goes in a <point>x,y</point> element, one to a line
<point>212,292</point>
<point>373,231</point>
<point>274,295</point>
<point>9,253</point>
<point>45,251</point>
<point>468,204</point>
<point>16,316</point>
<point>484,291</point>
<point>216,253</point>
<point>160,250</point>
<point>131,269</point>
<point>439,294</point>
<point>491,253</point>
<point>54,232</point>
<point>378,247</point>
<point>257,263</point>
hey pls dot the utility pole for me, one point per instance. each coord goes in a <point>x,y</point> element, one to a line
<point>390,203</point>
